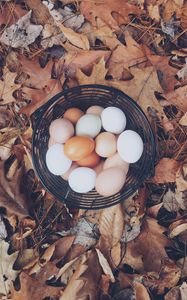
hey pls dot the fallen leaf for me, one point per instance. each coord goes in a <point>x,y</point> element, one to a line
<point>182,264</point>
<point>8,86</point>
<point>77,39</point>
<point>92,10</point>
<point>184,17</point>
<point>177,228</point>
<point>147,251</point>
<point>183,120</point>
<point>166,170</point>
<point>11,197</point>
<point>35,288</point>
<point>167,278</point>
<point>178,98</point>
<point>181,179</point>
<point>11,13</point>
<point>126,56</point>
<point>141,292</point>
<point>170,7</point>
<point>7,274</point>
<point>105,265</point>
<point>130,233</point>
<point>41,14</point>
<point>173,294</point>
<point>183,291</point>
<point>21,34</point>
<point>170,202</point>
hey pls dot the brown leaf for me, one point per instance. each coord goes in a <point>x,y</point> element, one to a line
<point>8,86</point>
<point>172,7</point>
<point>62,246</point>
<point>183,290</point>
<point>39,97</point>
<point>166,170</point>
<point>147,251</point>
<point>125,56</point>
<point>177,228</point>
<point>11,196</point>
<point>141,292</point>
<point>104,264</point>
<point>103,10</point>
<point>35,288</point>
<point>173,294</point>
<point>40,11</point>
<point>184,16</point>
<point>10,13</point>
<point>178,98</point>
<point>166,73</point>
<point>183,120</point>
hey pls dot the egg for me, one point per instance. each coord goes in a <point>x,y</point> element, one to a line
<point>65,176</point>
<point>130,146</point>
<point>91,161</point>
<point>95,109</point>
<point>61,130</point>
<point>82,180</point>
<point>78,147</point>
<point>106,144</point>
<point>116,161</point>
<point>113,119</point>
<point>51,142</point>
<point>99,168</point>
<point>73,114</point>
<point>57,162</point>
<point>110,181</point>
<point>88,125</point>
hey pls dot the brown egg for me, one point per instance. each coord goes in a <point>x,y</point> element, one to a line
<point>73,114</point>
<point>106,144</point>
<point>91,161</point>
<point>78,147</point>
<point>116,161</point>
<point>65,176</point>
<point>110,181</point>
<point>99,168</point>
<point>95,109</point>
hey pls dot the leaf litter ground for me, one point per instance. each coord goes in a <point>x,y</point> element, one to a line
<point>136,249</point>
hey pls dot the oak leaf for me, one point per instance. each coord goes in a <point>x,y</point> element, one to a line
<point>105,265</point>
<point>141,292</point>
<point>170,7</point>
<point>147,251</point>
<point>11,196</point>
<point>11,13</point>
<point>35,287</point>
<point>178,98</point>
<point>8,86</point>
<point>103,10</point>
<point>7,274</point>
<point>166,170</point>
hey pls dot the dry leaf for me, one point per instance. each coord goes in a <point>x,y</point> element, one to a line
<point>183,291</point>
<point>125,56</point>
<point>21,34</point>
<point>35,288</point>
<point>173,294</point>
<point>8,86</point>
<point>182,264</point>
<point>104,10</point>
<point>11,197</point>
<point>183,120</point>
<point>166,170</point>
<point>172,7</point>
<point>178,98</point>
<point>147,251</point>
<point>181,180</point>
<point>7,274</point>
<point>170,202</point>
<point>105,265</point>
<point>10,14</point>
<point>77,39</point>
<point>177,228</point>
<point>141,292</point>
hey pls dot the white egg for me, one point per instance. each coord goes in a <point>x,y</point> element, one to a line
<point>130,146</point>
<point>89,125</point>
<point>113,119</point>
<point>57,162</point>
<point>82,180</point>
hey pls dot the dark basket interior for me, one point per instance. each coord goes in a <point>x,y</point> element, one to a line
<point>84,97</point>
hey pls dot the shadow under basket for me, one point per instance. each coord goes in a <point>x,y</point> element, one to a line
<point>83,97</point>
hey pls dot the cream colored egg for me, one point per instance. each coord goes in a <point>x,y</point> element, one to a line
<point>116,161</point>
<point>110,181</point>
<point>106,144</point>
<point>65,176</point>
<point>95,109</point>
<point>61,130</point>
<point>99,168</point>
<point>51,142</point>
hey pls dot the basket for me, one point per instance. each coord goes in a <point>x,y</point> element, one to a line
<point>83,97</point>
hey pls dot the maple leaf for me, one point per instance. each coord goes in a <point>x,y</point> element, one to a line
<point>8,86</point>
<point>141,88</point>
<point>35,287</point>
<point>7,274</point>
<point>94,9</point>
<point>125,56</point>
<point>147,251</point>
<point>10,196</point>
<point>166,170</point>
